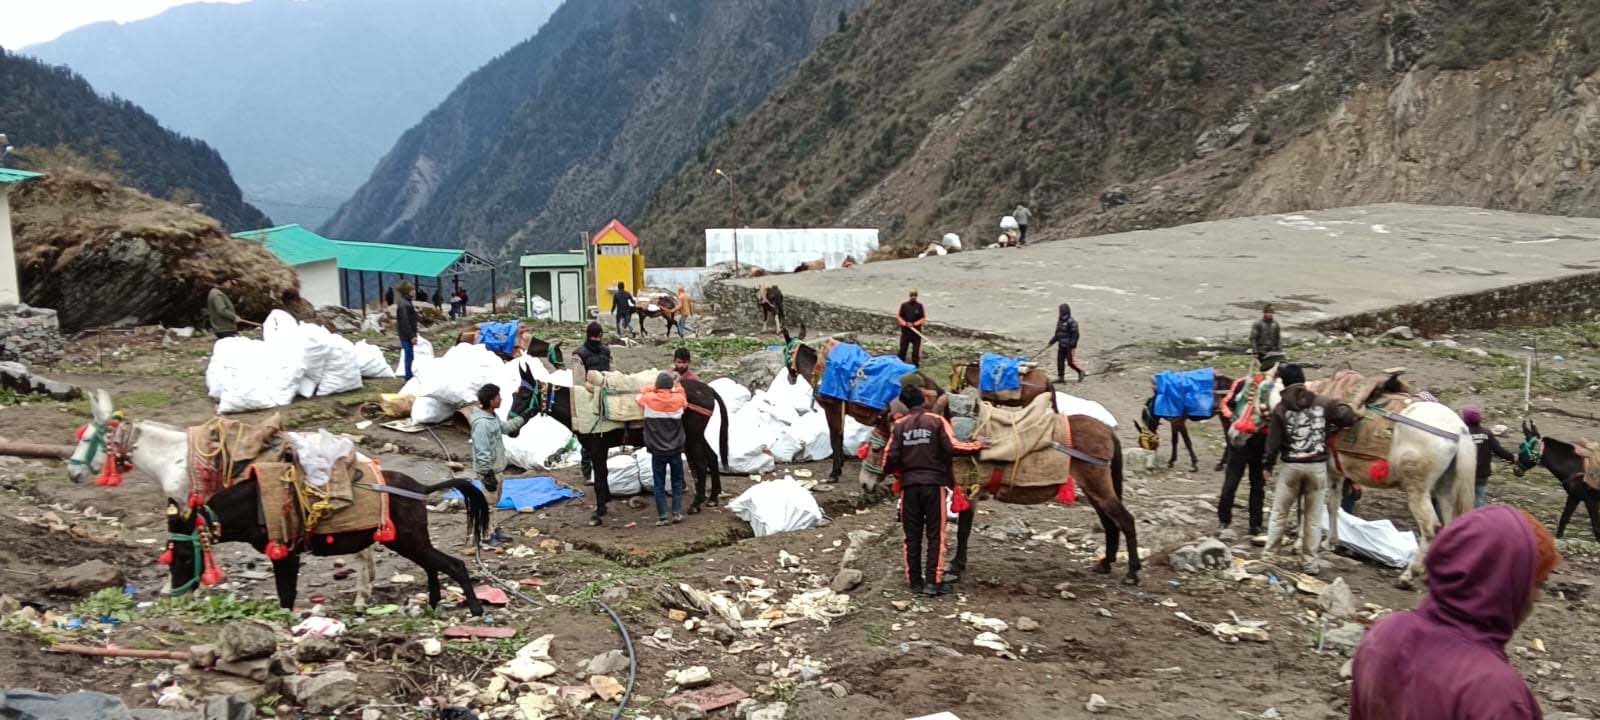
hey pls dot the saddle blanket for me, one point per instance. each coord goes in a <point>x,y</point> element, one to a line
<point>854,376</point>
<point>1014,433</point>
<point>998,373</point>
<point>844,360</point>
<point>294,509</point>
<point>1589,450</point>
<point>237,443</point>
<point>1188,394</point>
<point>499,337</point>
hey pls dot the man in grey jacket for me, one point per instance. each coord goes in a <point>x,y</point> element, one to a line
<point>1265,337</point>
<point>1023,216</point>
<point>489,445</point>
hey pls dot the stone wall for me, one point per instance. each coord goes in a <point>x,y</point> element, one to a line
<point>736,305</point>
<point>1568,299</point>
<point>30,335</point>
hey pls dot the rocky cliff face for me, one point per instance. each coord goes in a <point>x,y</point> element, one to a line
<point>1194,111</point>
<point>579,124</point>
<point>99,253</point>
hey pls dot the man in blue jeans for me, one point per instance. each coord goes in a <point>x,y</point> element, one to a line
<point>405,319</point>
<point>664,438</point>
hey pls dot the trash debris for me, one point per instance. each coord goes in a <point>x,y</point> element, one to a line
<point>1096,703</point>
<point>1377,540</point>
<point>692,676</point>
<point>991,641</point>
<point>994,625</point>
<point>475,631</point>
<point>432,647</point>
<point>787,560</point>
<point>1252,630</point>
<point>525,669</point>
<point>489,595</point>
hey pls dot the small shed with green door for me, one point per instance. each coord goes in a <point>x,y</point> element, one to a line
<point>559,279</point>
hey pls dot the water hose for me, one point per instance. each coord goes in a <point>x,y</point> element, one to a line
<point>633,662</point>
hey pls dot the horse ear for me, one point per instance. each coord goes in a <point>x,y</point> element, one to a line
<point>100,405</point>
<point>1535,427</point>
<point>1137,426</point>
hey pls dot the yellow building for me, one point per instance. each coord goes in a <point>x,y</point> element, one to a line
<point>617,258</point>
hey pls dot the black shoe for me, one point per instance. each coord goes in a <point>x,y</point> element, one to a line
<point>1081,375</point>
<point>935,589</point>
<point>595,521</point>
<point>713,502</point>
<point>495,539</point>
<point>1257,531</point>
<point>952,575</point>
<point>695,508</point>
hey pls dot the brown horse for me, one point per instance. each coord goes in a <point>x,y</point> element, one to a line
<point>804,362</point>
<point>1149,437</point>
<point>1035,382</point>
<point>665,307</point>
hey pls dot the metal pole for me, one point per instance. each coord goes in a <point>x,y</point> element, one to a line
<point>493,290</point>
<point>363,275</point>
<point>733,201</point>
<point>1527,382</point>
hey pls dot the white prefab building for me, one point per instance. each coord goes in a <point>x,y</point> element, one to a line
<point>10,289</point>
<point>314,258</point>
<point>776,250</point>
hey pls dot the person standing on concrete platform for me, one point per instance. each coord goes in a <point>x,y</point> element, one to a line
<point>1024,216</point>
<point>1066,342</point>
<point>912,317</point>
<point>405,320</point>
<point>1265,336</point>
<point>219,310</point>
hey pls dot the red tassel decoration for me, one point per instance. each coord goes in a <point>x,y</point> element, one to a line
<point>1379,472</point>
<point>276,551</point>
<point>960,504</point>
<point>1068,494</point>
<point>862,452</point>
<point>81,432</point>
<point>195,502</point>
<point>384,534</point>
<point>110,476</point>
<point>166,556</point>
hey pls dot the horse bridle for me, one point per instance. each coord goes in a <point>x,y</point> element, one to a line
<point>112,434</point>
<point>1533,449</point>
<point>211,529</point>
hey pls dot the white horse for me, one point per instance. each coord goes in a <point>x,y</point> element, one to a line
<point>1433,471</point>
<point>161,451</point>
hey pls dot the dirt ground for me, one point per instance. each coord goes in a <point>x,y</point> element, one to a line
<point>890,654</point>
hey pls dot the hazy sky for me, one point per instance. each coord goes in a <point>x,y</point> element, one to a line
<point>25,22</point>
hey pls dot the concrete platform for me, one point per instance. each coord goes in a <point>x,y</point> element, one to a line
<point>1368,264</point>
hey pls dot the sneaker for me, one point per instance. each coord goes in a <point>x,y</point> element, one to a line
<point>595,521</point>
<point>1081,375</point>
<point>694,509</point>
<point>663,522</point>
<point>495,538</point>
<point>712,502</point>
<point>934,589</point>
<point>677,517</point>
<point>952,575</point>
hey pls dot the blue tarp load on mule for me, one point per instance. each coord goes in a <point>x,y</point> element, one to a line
<point>499,337</point>
<point>998,373</point>
<point>854,376</point>
<point>1188,394</point>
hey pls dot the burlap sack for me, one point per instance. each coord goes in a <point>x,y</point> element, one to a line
<point>1015,432</point>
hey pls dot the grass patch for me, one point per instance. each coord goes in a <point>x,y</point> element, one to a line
<point>146,400</point>
<point>218,609</point>
<point>110,603</point>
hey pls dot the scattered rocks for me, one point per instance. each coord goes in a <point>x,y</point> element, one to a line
<point>1344,638</point>
<point>328,692</point>
<point>846,580</point>
<point>692,676</point>
<point>610,662</point>
<point>1215,554</point>
<point>771,711</point>
<point>257,669</point>
<point>228,707</point>
<point>1347,670</point>
<point>1336,600</point>
<point>607,687</point>
<point>246,640</point>
<point>1027,624</point>
<point>1185,559</point>
<point>614,595</point>
<point>987,624</point>
<point>687,711</point>
<point>786,560</point>
<point>1096,703</point>
<point>315,649</point>
<point>526,669</point>
<point>1402,332</point>
<point>15,375</point>
<point>84,578</point>
<point>432,647</point>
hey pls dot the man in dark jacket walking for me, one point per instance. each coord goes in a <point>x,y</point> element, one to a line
<point>405,320</point>
<point>922,448</point>
<point>594,355</point>
<point>1488,447</point>
<point>912,317</point>
<point>622,307</point>
<point>1266,338</point>
<point>1066,342</point>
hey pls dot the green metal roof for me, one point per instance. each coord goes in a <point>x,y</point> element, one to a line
<point>294,245</point>
<point>10,176</point>
<point>555,260</point>
<point>398,259</point>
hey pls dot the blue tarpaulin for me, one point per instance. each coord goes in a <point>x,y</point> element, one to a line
<point>499,337</point>
<point>998,373</point>
<point>879,381</point>
<point>526,494</point>
<point>1188,394</point>
<point>844,361</point>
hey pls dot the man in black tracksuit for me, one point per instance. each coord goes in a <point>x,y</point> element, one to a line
<point>912,317</point>
<point>1066,342</point>
<point>922,448</point>
<point>594,355</point>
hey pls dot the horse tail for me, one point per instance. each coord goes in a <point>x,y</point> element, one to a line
<point>722,432</point>
<point>1116,464</point>
<point>1465,466</point>
<point>477,505</point>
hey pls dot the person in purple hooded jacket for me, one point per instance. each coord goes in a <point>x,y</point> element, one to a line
<point>1446,660</point>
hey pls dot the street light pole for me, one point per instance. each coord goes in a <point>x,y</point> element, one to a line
<point>733,198</point>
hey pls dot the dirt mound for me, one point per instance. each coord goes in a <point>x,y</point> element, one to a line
<point>100,253</point>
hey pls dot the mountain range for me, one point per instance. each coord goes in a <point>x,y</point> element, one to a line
<point>302,97</point>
